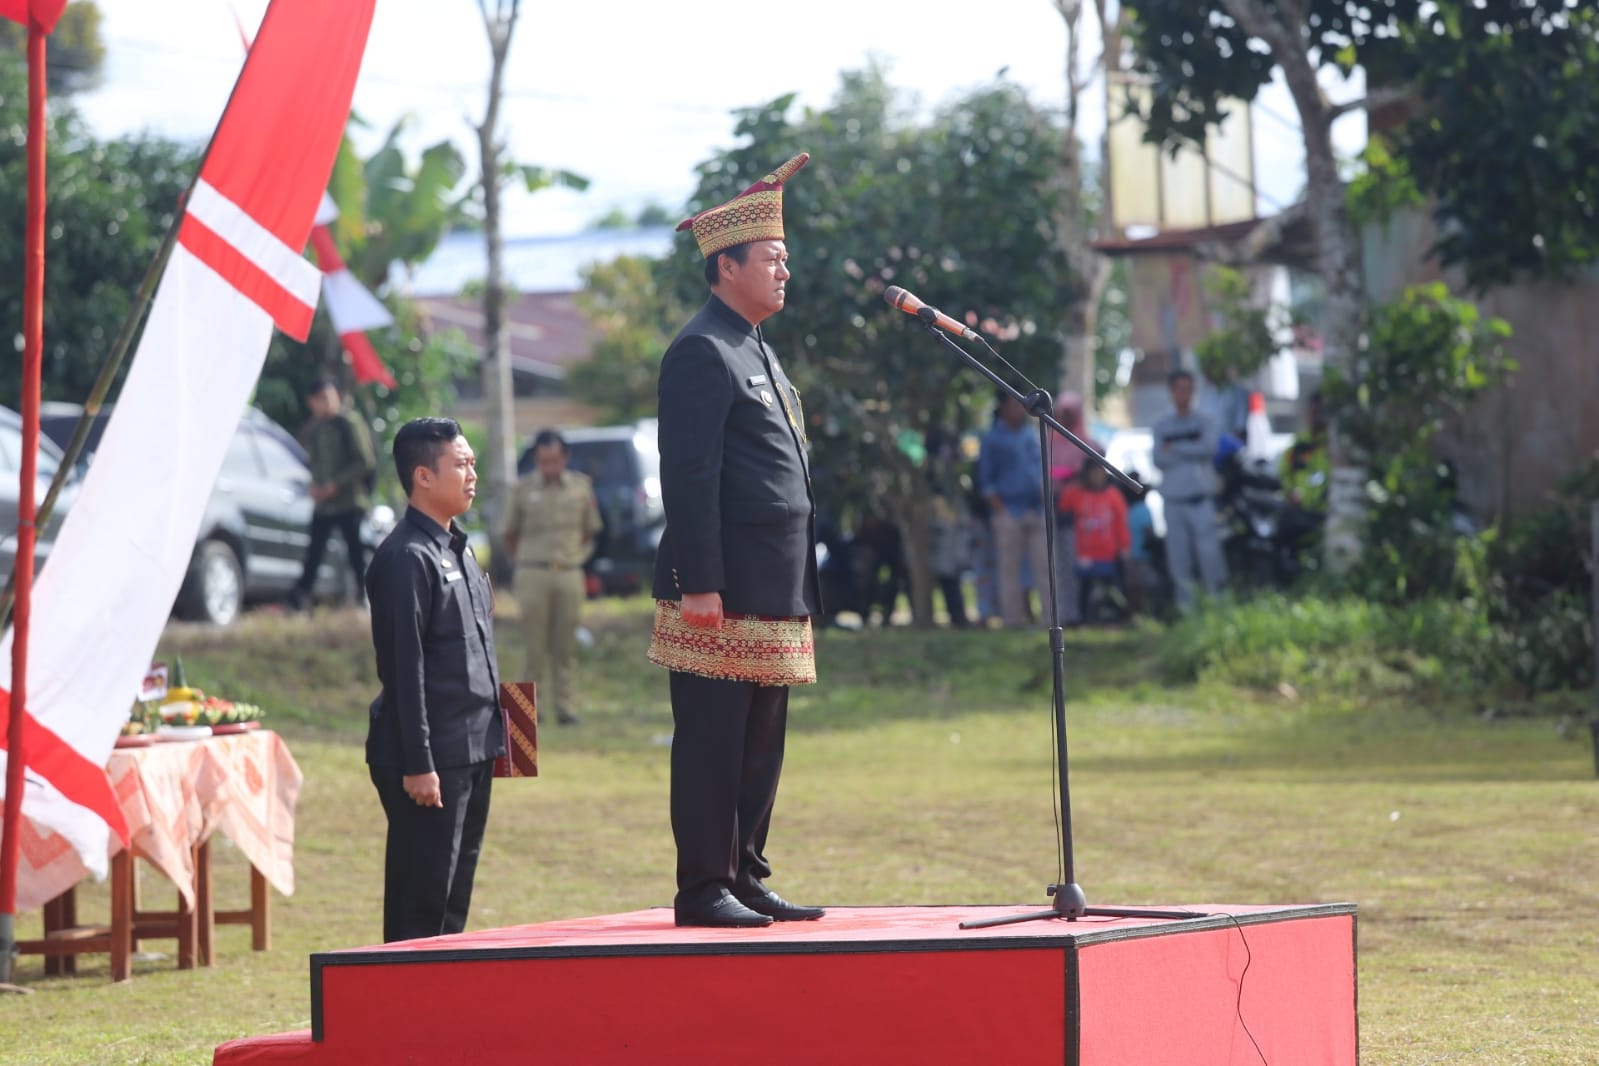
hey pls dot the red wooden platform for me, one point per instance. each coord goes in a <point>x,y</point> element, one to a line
<point>1241,985</point>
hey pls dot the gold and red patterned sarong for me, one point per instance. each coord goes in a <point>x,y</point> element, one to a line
<point>766,651</point>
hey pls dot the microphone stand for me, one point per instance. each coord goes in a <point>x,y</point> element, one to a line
<point>1067,899</point>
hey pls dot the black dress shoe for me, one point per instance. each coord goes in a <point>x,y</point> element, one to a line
<point>723,912</point>
<point>779,909</point>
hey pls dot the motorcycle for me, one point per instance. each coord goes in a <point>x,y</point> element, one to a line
<point>1263,532</point>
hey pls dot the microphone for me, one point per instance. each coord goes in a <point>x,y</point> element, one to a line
<point>898,297</point>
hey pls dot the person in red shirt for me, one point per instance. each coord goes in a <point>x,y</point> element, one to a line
<point>1099,514</point>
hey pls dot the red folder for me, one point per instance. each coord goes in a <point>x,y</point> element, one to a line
<point>519,709</point>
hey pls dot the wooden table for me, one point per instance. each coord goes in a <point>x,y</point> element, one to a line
<point>175,796</point>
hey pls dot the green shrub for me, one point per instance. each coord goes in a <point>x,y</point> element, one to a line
<point>1450,648</point>
<point>1424,358</point>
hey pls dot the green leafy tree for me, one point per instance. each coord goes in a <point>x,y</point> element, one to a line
<point>635,319</point>
<point>110,204</point>
<point>1502,137</point>
<point>74,51</point>
<point>1113,331</point>
<point>393,211</point>
<point>1198,54</point>
<point>1422,362</point>
<point>961,210</point>
<point>1241,339</point>
<point>652,215</point>
<point>1506,142</point>
<point>615,218</point>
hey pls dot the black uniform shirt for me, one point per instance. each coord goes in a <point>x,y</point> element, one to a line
<point>433,631</point>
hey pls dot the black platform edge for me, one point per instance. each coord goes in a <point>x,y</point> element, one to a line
<point>1074,1010</point>
<point>1083,934</point>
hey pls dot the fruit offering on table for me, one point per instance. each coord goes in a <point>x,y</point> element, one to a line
<point>214,711</point>
<point>181,705</point>
<point>144,718</point>
<point>210,710</point>
<point>178,689</point>
<point>186,705</point>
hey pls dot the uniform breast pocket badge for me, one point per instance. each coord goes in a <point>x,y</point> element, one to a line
<point>767,398</point>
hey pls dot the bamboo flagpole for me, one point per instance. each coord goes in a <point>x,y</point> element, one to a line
<point>32,361</point>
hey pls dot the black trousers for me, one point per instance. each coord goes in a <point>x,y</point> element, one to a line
<point>322,526</point>
<point>954,599</point>
<point>431,854</point>
<point>727,756</point>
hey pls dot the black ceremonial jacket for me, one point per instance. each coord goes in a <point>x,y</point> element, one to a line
<point>433,632</point>
<point>735,481</point>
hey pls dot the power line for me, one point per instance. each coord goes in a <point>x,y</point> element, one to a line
<point>1271,113</point>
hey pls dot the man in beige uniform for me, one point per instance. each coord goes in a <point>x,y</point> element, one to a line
<point>551,523</point>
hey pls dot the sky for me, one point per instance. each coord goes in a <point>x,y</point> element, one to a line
<point>632,94</point>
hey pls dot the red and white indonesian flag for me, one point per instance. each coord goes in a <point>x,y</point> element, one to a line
<point>352,309</point>
<point>100,605</point>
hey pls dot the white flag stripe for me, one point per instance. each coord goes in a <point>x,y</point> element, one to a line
<point>327,210</point>
<point>255,242</point>
<point>82,829</point>
<point>352,308</point>
<point>103,598</point>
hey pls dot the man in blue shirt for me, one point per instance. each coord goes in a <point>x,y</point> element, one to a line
<point>1008,475</point>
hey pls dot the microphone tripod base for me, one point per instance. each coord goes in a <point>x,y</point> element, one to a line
<point>1071,904</point>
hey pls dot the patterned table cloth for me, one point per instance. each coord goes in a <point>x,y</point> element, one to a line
<point>175,795</point>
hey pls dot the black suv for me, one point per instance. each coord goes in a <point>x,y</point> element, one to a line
<point>256,524</point>
<point>625,465</point>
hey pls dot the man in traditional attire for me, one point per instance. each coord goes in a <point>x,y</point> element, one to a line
<point>735,575</point>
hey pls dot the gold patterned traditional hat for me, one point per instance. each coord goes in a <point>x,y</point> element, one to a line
<point>756,214</point>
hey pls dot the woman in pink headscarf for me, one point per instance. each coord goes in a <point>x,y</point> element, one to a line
<point>1065,458</point>
<point>1065,462</point>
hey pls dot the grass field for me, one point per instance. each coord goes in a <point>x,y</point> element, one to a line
<point>919,771</point>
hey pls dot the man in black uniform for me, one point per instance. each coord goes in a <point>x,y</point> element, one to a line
<point>435,728</point>
<point>735,576</point>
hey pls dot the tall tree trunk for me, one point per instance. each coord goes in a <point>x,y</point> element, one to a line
<point>1088,269</point>
<point>1337,255</point>
<point>498,463</point>
<point>913,514</point>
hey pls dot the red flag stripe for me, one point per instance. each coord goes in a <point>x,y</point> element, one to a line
<point>364,361</point>
<point>327,253</point>
<point>291,314</point>
<point>251,259</point>
<point>74,776</point>
<point>288,113</point>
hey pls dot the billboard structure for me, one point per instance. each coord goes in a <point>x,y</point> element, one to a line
<point>1198,186</point>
